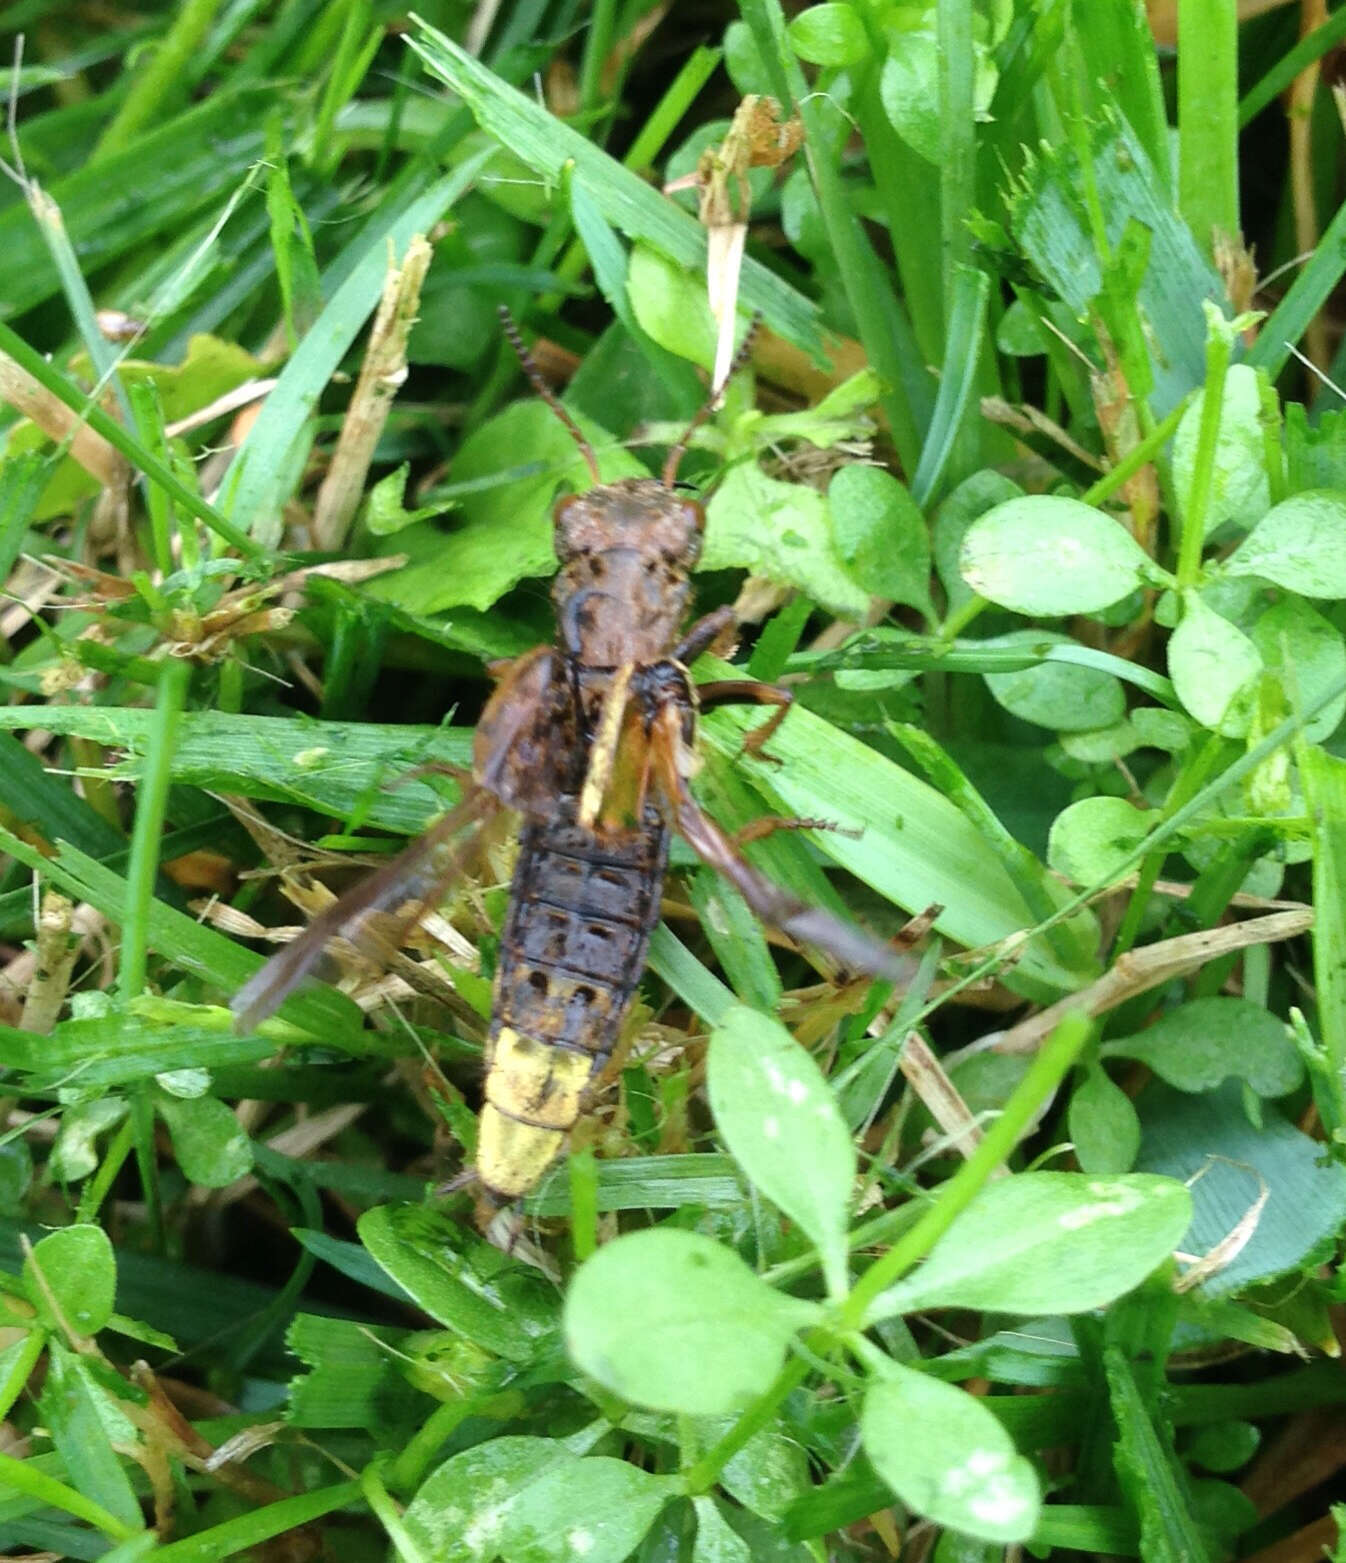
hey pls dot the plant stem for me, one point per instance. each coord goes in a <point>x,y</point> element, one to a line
<point>1045,1073</point>
<point>52,380</point>
<point>1203,467</point>
<point>1324,780</point>
<point>114,1158</point>
<point>151,802</point>
<point>1140,455</point>
<point>704,1474</point>
<point>597,47</point>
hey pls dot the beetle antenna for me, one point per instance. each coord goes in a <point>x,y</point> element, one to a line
<point>545,391</point>
<point>740,359</point>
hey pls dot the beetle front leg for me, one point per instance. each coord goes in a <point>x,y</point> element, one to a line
<point>705,633</point>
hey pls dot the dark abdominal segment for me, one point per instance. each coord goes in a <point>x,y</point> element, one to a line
<point>571,953</point>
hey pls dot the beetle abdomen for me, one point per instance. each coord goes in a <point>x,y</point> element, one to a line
<point>580,916</point>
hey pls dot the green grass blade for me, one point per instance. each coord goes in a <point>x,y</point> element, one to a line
<point>267,467</point>
<point>43,802</point>
<point>1152,1478</point>
<point>140,458</point>
<point>250,1530</point>
<point>679,96</point>
<point>911,212</point>
<point>1310,290</point>
<point>670,959</point>
<point>1324,777</point>
<point>23,1476</point>
<point>51,225</point>
<point>1117,47</point>
<point>652,1183</point>
<point>881,320</point>
<point>915,848</point>
<point>155,89</point>
<point>22,479</point>
<point>962,352</point>
<point>150,189</point>
<point>958,146</point>
<point>334,768</point>
<point>196,949</point>
<point>629,204</point>
<point>1313,46</point>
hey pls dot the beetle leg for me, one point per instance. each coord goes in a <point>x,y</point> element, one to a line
<point>850,946</point>
<point>750,691</point>
<point>462,774</point>
<point>769,824</point>
<point>704,633</point>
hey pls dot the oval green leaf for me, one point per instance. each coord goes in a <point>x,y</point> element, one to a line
<point>782,532</point>
<point>1200,1044</point>
<point>1212,662</point>
<point>780,1121</point>
<point>909,92</point>
<point>974,497</point>
<point>881,535</point>
<point>1306,654</point>
<point>594,1511</point>
<point>1048,1242</point>
<point>716,1540</point>
<point>1045,556</point>
<point>1091,841</point>
<point>458,1514</point>
<point>506,1310</point>
<point>73,1273</point>
<point>670,305</point>
<point>1063,696</point>
<point>674,1321</point>
<point>1297,544</point>
<point>947,1457</point>
<point>829,34</point>
<point>1103,1124</point>
<point>211,1148</point>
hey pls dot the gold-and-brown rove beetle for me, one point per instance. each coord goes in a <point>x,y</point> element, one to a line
<point>591,740</point>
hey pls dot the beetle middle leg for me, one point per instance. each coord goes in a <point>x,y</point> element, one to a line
<point>462,774</point>
<point>750,691</point>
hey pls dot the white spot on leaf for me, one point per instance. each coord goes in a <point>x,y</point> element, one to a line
<point>1111,1199</point>
<point>1001,1503</point>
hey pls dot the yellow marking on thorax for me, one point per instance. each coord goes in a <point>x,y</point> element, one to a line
<point>603,751</point>
<point>533,1095</point>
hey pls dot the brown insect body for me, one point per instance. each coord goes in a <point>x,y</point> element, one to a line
<point>585,896</point>
<point>590,739</point>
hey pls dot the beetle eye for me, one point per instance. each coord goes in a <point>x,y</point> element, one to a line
<point>693,516</point>
<point>561,511</point>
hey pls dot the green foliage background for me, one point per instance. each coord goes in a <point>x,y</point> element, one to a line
<point>1035,492</point>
